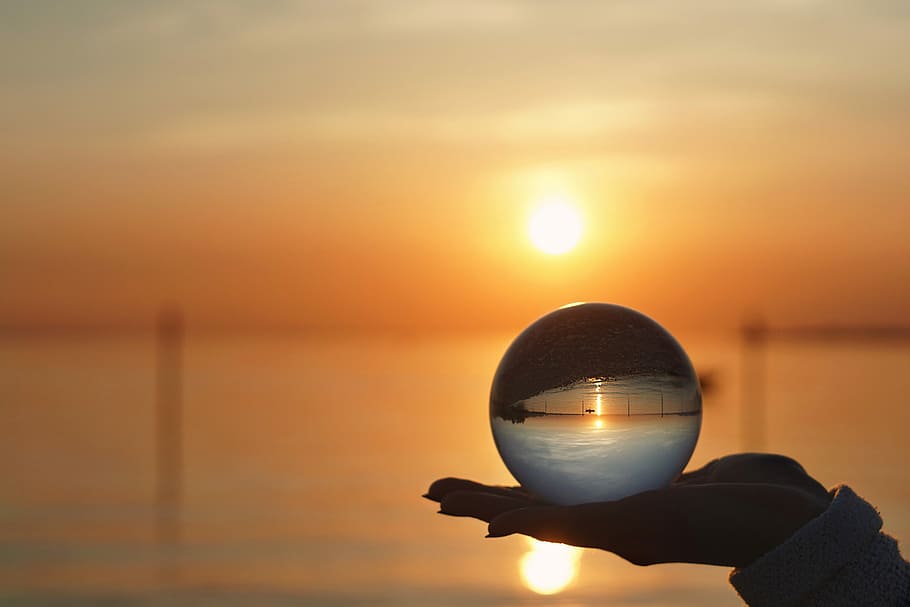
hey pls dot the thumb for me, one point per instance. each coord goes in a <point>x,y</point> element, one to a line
<point>714,524</point>
<point>644,530</point>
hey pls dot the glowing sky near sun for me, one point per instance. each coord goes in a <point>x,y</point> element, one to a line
<point>280,165</point>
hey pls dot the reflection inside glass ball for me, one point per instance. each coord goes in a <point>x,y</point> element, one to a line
<point>595,402</point>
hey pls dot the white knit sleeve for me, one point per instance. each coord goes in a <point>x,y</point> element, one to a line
<point>839,558</point>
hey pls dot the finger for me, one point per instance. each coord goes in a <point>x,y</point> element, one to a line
<point>442,487</point>
<point>479,505</point>
<point>763,468</point>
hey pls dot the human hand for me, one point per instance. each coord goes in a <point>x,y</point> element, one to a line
<point>729,512</point>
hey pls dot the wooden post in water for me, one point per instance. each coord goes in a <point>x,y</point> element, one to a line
<point>628,406</point>
<point>661,404</point>
<point>169,423</point>
<point>754,417</point>
<point>755,338</point>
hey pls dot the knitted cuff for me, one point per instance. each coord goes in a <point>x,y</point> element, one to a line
<point>789,573</point>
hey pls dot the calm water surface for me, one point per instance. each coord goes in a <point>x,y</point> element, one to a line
<point>305,461</point>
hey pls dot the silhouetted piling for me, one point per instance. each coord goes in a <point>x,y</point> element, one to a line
<point>169,423</point>
<point>754,417</point>
<point>755,337</point>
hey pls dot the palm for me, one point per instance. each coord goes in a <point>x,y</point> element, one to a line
<point>728,512</point>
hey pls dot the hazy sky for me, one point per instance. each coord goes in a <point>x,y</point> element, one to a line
<point>372,165</point>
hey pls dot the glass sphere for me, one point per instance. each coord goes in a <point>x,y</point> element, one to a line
<point>595,402</point>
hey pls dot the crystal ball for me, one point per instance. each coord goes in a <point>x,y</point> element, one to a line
<point>595,402</point>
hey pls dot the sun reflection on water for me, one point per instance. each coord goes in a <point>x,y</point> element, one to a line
<point>548,568</point>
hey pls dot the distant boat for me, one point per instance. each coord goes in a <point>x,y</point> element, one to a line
<point>708,381</point>
<point>590,410</point>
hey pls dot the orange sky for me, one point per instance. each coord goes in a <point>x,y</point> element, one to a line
<point>372,166</point>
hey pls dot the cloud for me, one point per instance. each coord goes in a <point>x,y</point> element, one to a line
<point>531,123</point>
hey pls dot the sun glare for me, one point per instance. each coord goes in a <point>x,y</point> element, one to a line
<point>549,568</point>
<point>555,226</point>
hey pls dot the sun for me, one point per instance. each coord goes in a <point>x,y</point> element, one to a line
<point>549,568</point>
<point>555,226</point>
